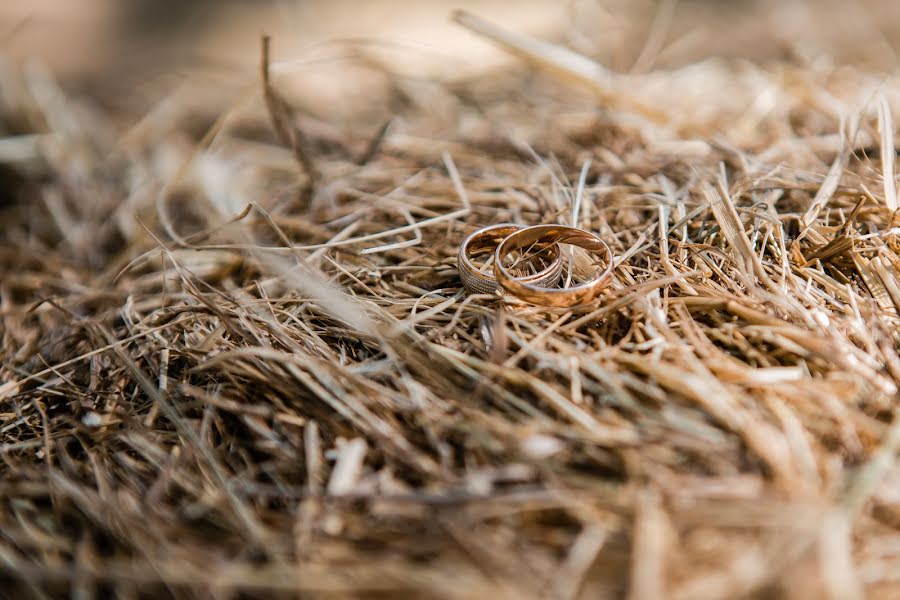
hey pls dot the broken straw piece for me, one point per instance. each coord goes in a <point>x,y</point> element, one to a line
<point>561,61</point>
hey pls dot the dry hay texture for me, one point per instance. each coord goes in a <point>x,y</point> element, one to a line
<point>237,360</point>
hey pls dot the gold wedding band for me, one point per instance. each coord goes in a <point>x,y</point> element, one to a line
<point>552,234</point>
<point>484,241</point>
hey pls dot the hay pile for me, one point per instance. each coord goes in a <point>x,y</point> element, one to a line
<point>237,360</point>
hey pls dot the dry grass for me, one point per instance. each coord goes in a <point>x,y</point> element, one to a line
<point>237,360</point>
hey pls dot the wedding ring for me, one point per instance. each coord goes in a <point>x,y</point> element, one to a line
<point>549,234</point>
<point>484,241</point>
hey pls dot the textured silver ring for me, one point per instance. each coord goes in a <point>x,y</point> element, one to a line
<point>485,241</point>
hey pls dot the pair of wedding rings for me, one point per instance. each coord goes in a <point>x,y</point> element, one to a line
<point>540,287</point>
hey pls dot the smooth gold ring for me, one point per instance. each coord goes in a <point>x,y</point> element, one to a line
<point>484,241</point>
<point>552,234</point>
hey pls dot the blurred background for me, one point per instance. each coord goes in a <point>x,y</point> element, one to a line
<point>130,53</point>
